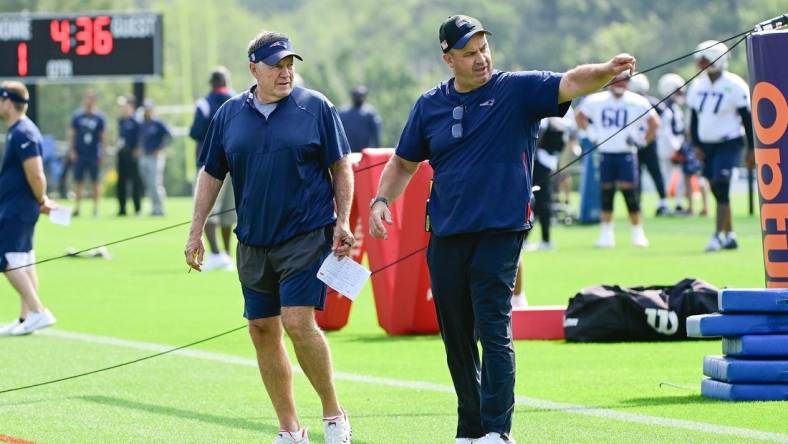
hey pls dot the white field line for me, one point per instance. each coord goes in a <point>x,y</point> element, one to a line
<point>713,429</point>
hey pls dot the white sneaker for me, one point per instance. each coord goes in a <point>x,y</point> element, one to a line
<point>229,265</point>
<point>519,300</point>
<point>6,329</point>
<point>606,239</point>
<point>494,438</point>
<point>34,321</point>
<point>715,243</point>
<point>337,429</point>
<point>297,437</point>
<point>639,237</point>
<point>213,262</point>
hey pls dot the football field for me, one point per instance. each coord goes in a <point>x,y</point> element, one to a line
<point>395,389</point>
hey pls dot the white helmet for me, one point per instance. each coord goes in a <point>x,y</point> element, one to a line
<point>712,50</point>
<point>639,84</point>
<point>669,84</point>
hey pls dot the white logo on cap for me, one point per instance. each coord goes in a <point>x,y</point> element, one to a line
<point>281,43</point>
<point>252,57</point>
<point>444,44</point>
<point>462,20</point>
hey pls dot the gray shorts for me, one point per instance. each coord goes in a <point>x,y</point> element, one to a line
<point>283,275</point>
<point>224,206</point>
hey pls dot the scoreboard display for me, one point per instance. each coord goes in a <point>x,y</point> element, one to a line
<point>73,47</point>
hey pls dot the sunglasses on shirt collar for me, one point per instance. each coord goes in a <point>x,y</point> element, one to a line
<point>457,114</point>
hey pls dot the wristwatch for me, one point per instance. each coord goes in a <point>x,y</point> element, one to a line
<point>378,199</point>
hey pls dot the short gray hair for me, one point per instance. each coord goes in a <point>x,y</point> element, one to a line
<point>263,39</point>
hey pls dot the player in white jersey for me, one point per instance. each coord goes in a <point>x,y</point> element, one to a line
<point>720,116</point>
<point>648,156</point>
<point>603,115</point>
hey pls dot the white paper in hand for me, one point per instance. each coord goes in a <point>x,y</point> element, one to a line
<point>60,216</point>
<point>345,276</point>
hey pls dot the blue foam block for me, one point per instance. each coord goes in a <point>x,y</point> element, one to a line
<point>743,392</point>
<point>756,346</point>
<point>745,371</point>
<point>771,300</point>
<point>713,325</point>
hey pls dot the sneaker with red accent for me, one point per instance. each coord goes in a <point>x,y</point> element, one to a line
<point>298,437</point>
<point>337,429</point>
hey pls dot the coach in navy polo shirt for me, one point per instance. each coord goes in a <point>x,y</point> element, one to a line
<point>87,142</point>
<point>154,137</point>
<point>22,198</point>
<point>478,130</point>
<point>286,151</point>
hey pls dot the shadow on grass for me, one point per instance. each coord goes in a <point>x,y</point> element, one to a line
<point>382,337</point>
<point>685,400</point>
<point>224,421</point>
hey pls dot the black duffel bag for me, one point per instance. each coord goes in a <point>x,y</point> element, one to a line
<point>657,313</point>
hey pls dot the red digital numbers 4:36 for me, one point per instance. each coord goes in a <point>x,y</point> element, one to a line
<point>85,35</point>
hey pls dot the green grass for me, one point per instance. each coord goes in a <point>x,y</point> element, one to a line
<point>145,294</point>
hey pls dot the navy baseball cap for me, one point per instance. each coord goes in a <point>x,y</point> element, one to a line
<point>273,52</point>
<point>457,30</point>
<point>12,96</point>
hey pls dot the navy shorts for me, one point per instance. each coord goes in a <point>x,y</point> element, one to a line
<point>86,166</point>
<point>618,167</point>
<point>719,159</point>
<point>284,275</point>
<point>15,237</point>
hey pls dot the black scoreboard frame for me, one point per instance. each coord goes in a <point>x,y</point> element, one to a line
<point>153,58</point>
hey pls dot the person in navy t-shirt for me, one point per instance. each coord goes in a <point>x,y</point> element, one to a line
<point>154,137</point>
<point>128,156</point>
<point>478,130</point>
<point>288,155</point>
<point>361,121</point>
<point>22,198</point>
<point>87,142</point>
<point>223,212</point>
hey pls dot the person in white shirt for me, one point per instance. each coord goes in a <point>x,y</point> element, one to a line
<point>603,115</point>
<point>648,156</point>
<point>720,116</point>
<point>677,158</point>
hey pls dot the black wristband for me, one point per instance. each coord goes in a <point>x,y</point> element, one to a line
<point>378,199</point>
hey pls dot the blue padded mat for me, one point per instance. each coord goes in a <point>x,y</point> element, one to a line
<point>713,325</point>
<point>745,371</point>
<point>772,300</point>
<point>743,392</point>
<point>756,346</point>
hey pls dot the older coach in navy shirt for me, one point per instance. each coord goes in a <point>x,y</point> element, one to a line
<point>478,130</point>
<point>287,153</point>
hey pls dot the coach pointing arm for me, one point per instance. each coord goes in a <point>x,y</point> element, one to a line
<point>576,82</point>
<point>585,79</point>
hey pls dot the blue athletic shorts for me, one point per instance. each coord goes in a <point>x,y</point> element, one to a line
<point>15,237</point>
<point>284,275</point>
<point>618,167</point>
<point>719,159</point>
<point>86,166</point>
